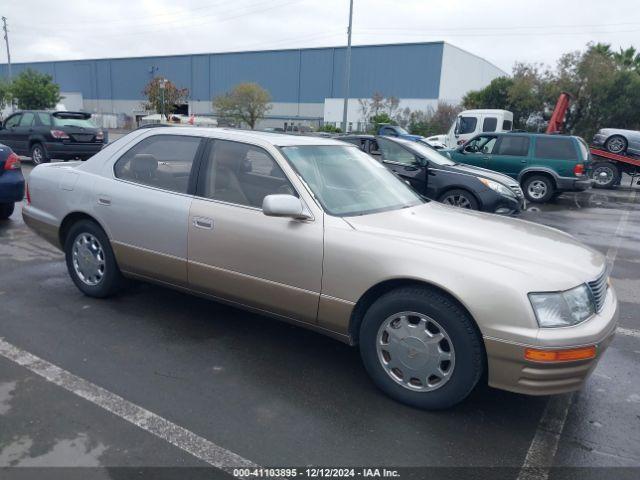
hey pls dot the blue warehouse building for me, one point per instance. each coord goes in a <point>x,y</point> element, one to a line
<point>306,85</point>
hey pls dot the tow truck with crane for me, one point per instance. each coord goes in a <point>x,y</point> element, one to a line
<point>607,167</point>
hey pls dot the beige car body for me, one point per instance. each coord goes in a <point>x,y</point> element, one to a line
<point>322,271</point>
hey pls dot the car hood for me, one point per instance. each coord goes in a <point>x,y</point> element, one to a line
<point>555,258</point>
<point>609,131</point>
<point>485,173</point>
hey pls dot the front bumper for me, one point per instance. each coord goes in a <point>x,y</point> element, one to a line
<point>509,370</point>
<point>493,202</point>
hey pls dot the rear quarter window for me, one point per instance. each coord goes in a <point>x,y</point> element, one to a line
<point>556,148</point>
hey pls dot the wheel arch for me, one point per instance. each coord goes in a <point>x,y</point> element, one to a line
<point>72,218</point>
<point>522,177</point>
<point>34,140</point>
<point>376,291</point>
<point>449,188</point>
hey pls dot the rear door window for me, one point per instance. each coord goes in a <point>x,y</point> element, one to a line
<point>489,124</point>
<point>513,145</point>
<point>507,125</point>
<point>161,161</point>
<point>27,119</point>
<point>557,148</point>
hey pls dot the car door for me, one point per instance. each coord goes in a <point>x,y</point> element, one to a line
<point>145,206</point>
<point>477,151</point>
<point>23,131</point>
<point>239,254</point>
<point>510,154</point>
<point>8,135</point>
<point>403,162</point>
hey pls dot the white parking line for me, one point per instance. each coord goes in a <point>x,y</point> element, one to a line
<point>542,451</point>
<point>182,438</point>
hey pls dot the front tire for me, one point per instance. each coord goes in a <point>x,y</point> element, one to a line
<point>459,198</point>
<point>90,260</point>
<point>538,188</point>
<point>616,144</point>
<point>421,348</point>
<point>6,210</point>
<point>605,175</point>
<point>39,154</point>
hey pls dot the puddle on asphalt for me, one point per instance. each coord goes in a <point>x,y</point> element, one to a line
<point>6,394</point>
<point>76,452</point>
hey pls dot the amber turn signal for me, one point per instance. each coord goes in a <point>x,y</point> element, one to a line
<point>569,355</point>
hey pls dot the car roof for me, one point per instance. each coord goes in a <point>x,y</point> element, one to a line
<point>530,134</point>
<point>273,138</point>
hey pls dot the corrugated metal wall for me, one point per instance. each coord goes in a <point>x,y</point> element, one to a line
<point>297,76</point>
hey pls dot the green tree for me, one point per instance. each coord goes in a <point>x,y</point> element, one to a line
<point>246,102</point>
<point>380,119</point>
<point>329,128</point>
<point>163,102</point>
<point>34,90</point>
<point>5,94</point>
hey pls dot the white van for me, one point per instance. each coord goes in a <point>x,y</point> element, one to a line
<point>472,122</point>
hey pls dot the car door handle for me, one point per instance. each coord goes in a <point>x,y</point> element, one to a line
<point>203,223</point>
<point>486,158</point>
<point>523,161</point>
<point>106,201</point>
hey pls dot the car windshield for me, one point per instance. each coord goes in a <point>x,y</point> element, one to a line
<point>73,122</point>
<point>433,156</point>
<point>347,181</point>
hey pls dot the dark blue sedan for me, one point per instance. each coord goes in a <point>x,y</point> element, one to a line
<point>11,181</point>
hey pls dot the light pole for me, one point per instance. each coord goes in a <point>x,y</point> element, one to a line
<point>163,84</point>
<point>347,70</point>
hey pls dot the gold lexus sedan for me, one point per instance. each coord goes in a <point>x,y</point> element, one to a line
<point>315,232</point>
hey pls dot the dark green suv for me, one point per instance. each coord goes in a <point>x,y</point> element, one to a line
<point>543,164</point>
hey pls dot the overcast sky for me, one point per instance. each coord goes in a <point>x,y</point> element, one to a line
<point>502,31</point>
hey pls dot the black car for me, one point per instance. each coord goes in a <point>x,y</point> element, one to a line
<point>11,181</point>
<point>45,135</point>
<point>437,177</point>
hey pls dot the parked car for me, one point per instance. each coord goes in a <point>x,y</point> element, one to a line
<point>11,181</point>
<point>397,132</point>
<point>544,165</point>
<point>437,177</point>
<point>315,232</point>
<point>44,135</point>
<point>616,140</point>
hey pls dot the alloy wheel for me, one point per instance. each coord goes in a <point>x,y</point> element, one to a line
<point>457,200</point>
<point>37,155</point>
<point>415,351</point>
<point>616,145</point>
<point>537,189</point>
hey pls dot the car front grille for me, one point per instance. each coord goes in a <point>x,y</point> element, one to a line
<point>517,190</point>
<point>598,289</point>
<point>83,137</point>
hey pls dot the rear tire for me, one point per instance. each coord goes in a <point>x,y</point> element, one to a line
<point>421,358</point>
<point>459,198</point>
<point>538,188</point>
<point>90,260</point>
<point>616,144</point>
<point>6,210</point>
<point>39,154</point>
<point>605,175</point>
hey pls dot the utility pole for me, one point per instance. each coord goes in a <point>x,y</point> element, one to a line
<point>6,39</point>
<point>347,70</point>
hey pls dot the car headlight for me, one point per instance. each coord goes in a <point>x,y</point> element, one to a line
<point>562,309</point>
<point>497,187</point>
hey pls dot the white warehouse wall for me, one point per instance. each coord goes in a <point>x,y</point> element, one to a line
<point>463,71</point>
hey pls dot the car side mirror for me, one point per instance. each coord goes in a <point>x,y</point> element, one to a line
<point>422,162</point>
<point>282,205</point>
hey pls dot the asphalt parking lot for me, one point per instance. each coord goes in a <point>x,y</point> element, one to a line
<point>277,395</point>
